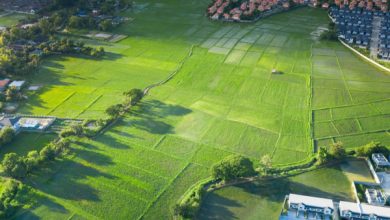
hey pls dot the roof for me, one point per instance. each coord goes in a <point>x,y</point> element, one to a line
<point>364,209</point>
<point>310,201</point>
<point>4,82</point>
<point>17,83</point>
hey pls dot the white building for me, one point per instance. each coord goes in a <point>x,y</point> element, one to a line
<point>17,84</point>
<point>357,211</point>
<point>375,197</point>
<point>307,204</point>
<point>380,160</point>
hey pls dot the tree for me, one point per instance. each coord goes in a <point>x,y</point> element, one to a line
<point>14,166</point>
<point>371,148</point>
<point>266,163</point>
<point>32,160</point>
<point>233,167</point>
<point>323,155</point>
<point>134,95</point>
<point>7,134</point>
<point>105,25</point>
<point>114,110</point>
<point>337,151</point>
<point>48,153</point>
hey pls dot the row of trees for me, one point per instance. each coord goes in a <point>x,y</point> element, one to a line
<point>132,97</point>
<point>9,201</point>
<point>68,46</point>
<point>18,167</point>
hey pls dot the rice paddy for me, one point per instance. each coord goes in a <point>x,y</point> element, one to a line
<point>223,101</point>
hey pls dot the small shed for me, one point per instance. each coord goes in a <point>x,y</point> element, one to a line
<point>17,84</point>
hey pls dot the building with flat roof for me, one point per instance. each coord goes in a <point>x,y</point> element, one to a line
<point>17,84</point>
<point>300,205</point>
<point>360,211</point>
<point>375,197</point>
<point>380,160</point>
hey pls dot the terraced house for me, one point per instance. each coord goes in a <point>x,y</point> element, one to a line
<point>311,207</point>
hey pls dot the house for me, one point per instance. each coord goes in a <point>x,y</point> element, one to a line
<point>3,84</point>
<point>17,84</point>
<point>305,205</point>
<point>375,197</point>
<point>9,122</point>
<point>357,211</point>
<point>380,160</point>
<point>34,124</point>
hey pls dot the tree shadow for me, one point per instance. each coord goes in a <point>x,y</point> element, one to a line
<point>93,157</point>
<point>63,179</point>
<point>217,208</point>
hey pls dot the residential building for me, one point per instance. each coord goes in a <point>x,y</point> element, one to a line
<point>380,160</point>
<point>360,211</point>
<point>313,206</point>
<point>3,84</point>
<point>17,84</point>
<point>375,197</point>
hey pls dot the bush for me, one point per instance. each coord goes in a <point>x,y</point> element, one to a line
<point>189,205</point>
<point>7,134</point>
<point>337,151</point>
<point>233,167</point>
<point>14,166</point>
<point>371,148</point>
<point>9,198</point>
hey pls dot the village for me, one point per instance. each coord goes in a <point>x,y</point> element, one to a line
<point>372,200</point>
<point>362,23</point>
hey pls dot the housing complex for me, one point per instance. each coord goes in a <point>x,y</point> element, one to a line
<point>371,201</point>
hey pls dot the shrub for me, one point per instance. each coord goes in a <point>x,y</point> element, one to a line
<point>337,151</point>
<point>6,135</point>
<point>14,166</point>
<point>233,167</point>
<point>371,148</point>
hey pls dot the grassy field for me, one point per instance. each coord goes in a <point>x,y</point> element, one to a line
<point>223,101</point>
<point>265,198</point>
<point>26,142</point>
<point>9,19</point>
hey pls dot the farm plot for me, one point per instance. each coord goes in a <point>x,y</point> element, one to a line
<point>223,101</point>
<point>8,19</point>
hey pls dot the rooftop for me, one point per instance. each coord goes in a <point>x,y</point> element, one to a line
<point>310,201</point>
<point>364,209</point>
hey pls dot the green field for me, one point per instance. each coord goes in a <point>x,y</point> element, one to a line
<point>265,198</point>
<point>9,19</point>
<point>26,142</point>
<point>224,100</point>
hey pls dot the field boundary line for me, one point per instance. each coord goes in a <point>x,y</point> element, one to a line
<point>351,118</point>
<point>352,105</point>
<point>354,134</point>
<point>369,60</point>
<point>173,74</point>
<point>155,145</point>
<point>344,79</point>
<point>89,105</point>
<point>162,192</point>
<point>63,101</point>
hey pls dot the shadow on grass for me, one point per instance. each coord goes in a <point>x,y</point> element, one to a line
<point>325,183</point>
<point>64,179</point>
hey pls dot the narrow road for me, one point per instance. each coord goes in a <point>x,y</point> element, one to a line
<point>376,23</point>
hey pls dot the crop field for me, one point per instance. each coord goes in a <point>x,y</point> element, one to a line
<point>265,198</point>
<point>9,19</point>
<point>224,100</point>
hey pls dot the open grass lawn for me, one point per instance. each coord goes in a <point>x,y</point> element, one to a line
<point>223,101</point>
<point>265,198</point>
<point>9,19</point>
<point>26,142</point>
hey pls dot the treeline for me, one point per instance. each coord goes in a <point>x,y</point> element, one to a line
<point>12,190</point>
<point>106,6</point>
<point>19,167</point>
<point>236,167</point>
<point>19,47</point>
